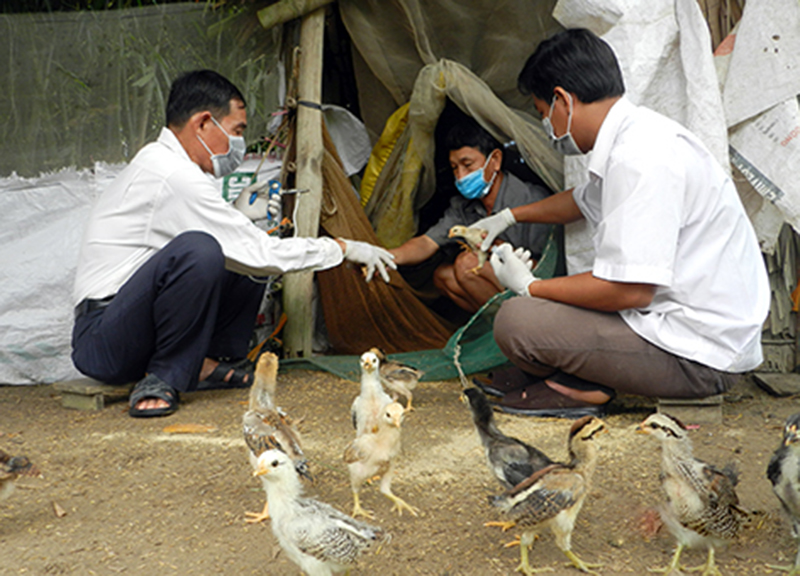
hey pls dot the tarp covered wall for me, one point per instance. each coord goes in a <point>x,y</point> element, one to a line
<point>79,88</point>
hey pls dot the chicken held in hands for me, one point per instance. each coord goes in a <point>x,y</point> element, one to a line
<point>266,427</point>
<point>510,460</point>
<point>553,496</point>
<point>702,508</point>
<point>784,474</point>
<point>316,536</point>
<point>372,454</point>
<point>473,238</point>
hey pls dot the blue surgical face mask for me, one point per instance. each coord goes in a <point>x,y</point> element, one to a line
<point>226,163</point>
<point>474,185</point>
<point>566,143</point>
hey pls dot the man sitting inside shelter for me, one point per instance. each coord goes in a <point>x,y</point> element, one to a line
<point>163,288</point>
<point>476,159</point>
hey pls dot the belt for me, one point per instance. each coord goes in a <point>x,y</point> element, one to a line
<point>90,305</point>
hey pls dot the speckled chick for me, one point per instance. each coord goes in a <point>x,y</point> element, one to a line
<point>317,537</point>
<point>265,426</point>
<point>553,497</point>
<point>784,473</point>
<point>702,508</point>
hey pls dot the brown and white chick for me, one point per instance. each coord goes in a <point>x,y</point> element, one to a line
<point>702,508</point>
<point>368,405</point>
<point>784,474</point>
<point>510,460</point>
<point>473,237</point>
<point>372,454</point>
<point>11,468</point>
<point>553,497</point>
<point>316,536</point>
<point>398,379</point>
<point>266,426</point>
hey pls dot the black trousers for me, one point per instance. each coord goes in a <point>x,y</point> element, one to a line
<point>180,307</point>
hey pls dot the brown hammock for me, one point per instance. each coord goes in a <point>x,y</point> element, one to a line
<point>359,315</point>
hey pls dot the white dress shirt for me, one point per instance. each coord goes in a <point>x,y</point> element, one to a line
<point>163,193</point>
<point>665,213</point>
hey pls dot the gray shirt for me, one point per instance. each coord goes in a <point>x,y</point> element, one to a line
<point>513,192</point>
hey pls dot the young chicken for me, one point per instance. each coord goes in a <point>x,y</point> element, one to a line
<point>369,404</point>
<point>473,237</point>
<point>11,468</point>
<point>317,537</point>
<point>399,379</point>
<point>510,459</point>
<point>267,427</point>
<point>702,508</point>
<point>784,473</point>
<point>372,454</point>
<point>553,496</point>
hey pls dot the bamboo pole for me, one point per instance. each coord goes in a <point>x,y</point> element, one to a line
<point>299,286</point>
<point>285,10</point>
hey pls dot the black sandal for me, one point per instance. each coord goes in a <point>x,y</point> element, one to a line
<point>151,386</point>
<point>241,377</point>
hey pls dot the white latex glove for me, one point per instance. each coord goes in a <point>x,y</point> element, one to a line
<point>371,257</point>
<point>495,225</point>
<point>511,270</point>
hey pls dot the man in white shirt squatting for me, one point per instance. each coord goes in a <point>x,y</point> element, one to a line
<point>162,288</point>
<point>678,291</point>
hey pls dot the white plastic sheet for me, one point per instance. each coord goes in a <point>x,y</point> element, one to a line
<point>43,221</point>
<point>759,67</point>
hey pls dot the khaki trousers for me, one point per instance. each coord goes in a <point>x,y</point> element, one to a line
<point>541,336</point>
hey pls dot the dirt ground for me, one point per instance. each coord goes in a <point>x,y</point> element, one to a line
<point>120,495</point>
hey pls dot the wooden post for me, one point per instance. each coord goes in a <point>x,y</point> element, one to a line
<point>285,10</point>
<point>299,286</point>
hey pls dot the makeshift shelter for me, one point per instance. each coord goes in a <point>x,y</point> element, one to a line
<point>405,52</point>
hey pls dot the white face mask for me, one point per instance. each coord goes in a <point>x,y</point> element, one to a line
<point>566,143</point>
<point>226,163</point>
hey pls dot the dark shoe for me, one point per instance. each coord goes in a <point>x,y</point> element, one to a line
<point>242,376</point>
<point>501,382</point>
<point>151,386</point>
<point>541,400</point>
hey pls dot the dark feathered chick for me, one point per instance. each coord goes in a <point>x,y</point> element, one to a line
<point>398,378</point>
<point>473,237</point>
<point>511,460</point>
<point>702,508</point>
<point>11,468</point>
<point>553,497</point>
<point>784,473</point>
<point>265,426</point>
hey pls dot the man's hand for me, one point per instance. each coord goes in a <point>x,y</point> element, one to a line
<point>495,225</point>
<point>371,257</point>
<point>513,268</point>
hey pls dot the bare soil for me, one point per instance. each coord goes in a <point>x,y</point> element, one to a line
<point>120,495</point>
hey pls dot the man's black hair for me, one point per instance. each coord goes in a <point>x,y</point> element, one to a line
<point>197,91</point>
<point>469,133</point>
<point>578,61</point>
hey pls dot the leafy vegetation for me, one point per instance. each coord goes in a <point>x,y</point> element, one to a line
<point>22,6</point>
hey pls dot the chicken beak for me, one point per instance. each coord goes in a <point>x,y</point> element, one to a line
<point>261,472</point>
<point>791,436</point>
<point>641,430</point>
